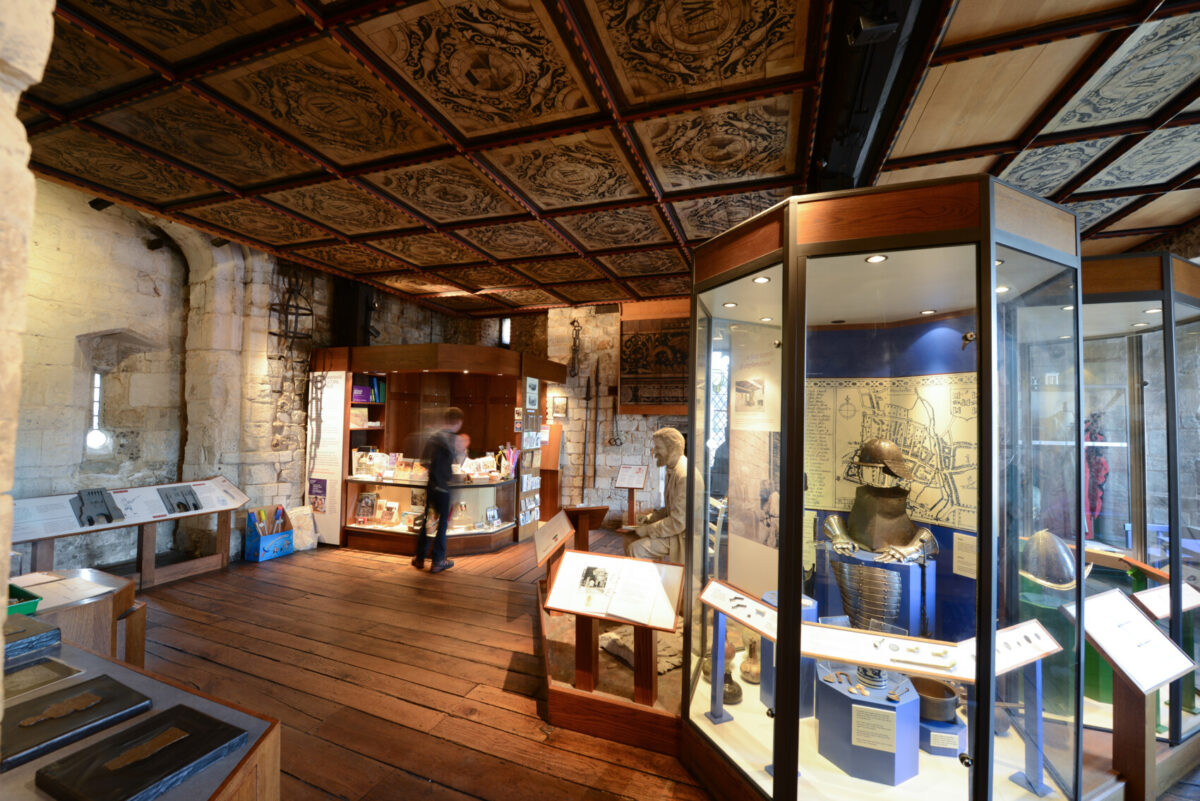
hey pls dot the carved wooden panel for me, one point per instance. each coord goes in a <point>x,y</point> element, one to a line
<point>654,262</point>
<point>728,143</point>
<point>351,258</point>
<point>469,302</point>
<point>180,29</point>
<point>1044,170</point>
<point>426,250</point>
<point>550,272</point>
<point>604,230</point>
<point>528,297</point>
<point>97,160</point>
<point>704,218</point>
<point>1158,158</point>
<point>344,207</point>
<point>569,170</point>
<point>80,66</point>
<point>258,222</point>
<point>182,125</point>
<point>584,293</point>
<point>515,240</point>
<point>418,284</point>
<point>446,190</point>
<point>488,65</point>
<point>674,49</point>
<point>654,363</point>
<point>660,287</point>
<point>484,277</point>
<point>1091,212</point>
<point>320,94</point>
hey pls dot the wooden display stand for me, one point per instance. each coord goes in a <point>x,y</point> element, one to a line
<point>551,490</point>
<point>632,478</point>
<point>94,622</point>
<point>583,520</point>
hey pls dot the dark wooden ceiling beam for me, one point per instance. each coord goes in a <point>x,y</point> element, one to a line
<point>1157,230</point>
<point>809,141</point>
<point>1181,180</point>
<point>102,33</point>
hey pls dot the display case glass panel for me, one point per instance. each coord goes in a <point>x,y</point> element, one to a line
<point>1187,467</point>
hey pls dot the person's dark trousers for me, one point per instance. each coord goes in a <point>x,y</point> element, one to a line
<point>438,502</point>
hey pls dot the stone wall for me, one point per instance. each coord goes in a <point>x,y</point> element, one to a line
<point>600,350</point>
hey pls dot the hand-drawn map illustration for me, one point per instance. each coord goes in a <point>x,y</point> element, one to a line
<point>934,420</point>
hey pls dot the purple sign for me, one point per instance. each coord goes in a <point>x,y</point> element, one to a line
<point>316,488</point>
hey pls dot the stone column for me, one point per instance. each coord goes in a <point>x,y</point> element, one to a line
<point>26,31</point>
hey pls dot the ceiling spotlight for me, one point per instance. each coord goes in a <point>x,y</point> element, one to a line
<point>998,262</point>
<point>1000,290</point>
<point>99,203</point>
<point>762,279</point>
<point>730,305</point>
<point>466,371</point>
<point>1068,308</point>
<point>1065,336</point>
<point>1140,325</point>
<point>764,319</point>
<point>876,259</point>
<point>1154,310</point>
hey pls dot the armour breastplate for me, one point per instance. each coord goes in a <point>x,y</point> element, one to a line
<point>879,518</point>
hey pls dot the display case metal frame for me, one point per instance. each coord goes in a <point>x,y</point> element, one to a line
<point>1164,278</point>
<point>971,210</point>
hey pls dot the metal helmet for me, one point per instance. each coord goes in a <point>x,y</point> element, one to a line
<point>884,454</point>
<point>1048,561</point>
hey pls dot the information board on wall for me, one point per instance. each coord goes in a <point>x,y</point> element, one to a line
<point>326,430</point>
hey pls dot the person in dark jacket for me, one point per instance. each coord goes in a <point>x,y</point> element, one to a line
<point>439,456</point>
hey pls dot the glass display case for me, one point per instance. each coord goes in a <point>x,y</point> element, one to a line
<point>886,406</point>
<point>390,506</point>
<point>1141,350</point>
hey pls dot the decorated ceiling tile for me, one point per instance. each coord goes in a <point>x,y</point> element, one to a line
<point>605,230</point>
<point>99,161</point>
<point>1091,212</point>
<point>704,218</point>
<point>528,297</point>
<point>586,293</point>
<point>182,125</point>
<point>428,250</point>
<point>446,191</point>
<point>1156,159</point>
<point>81,66</point>
<point>673,49</point>
<point>418,284</point>
<point>469,302</point>
<point>484,277</point>
<point>654,262</point>
<point>488,65</point>
<point>552,272</point>
<point>515,240</point>
<point>179,29</point>
<point>1044,170</point>
<point>351,258</point>
<point>745,141</point>
<point>665,285</point>
<point>569,170</point>
<point>320,94</point>
<point>258,221</point>
<point>344,207</point>
<point>1154,64</point>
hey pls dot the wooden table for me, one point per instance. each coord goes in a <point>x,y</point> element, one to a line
<point>93,623</point>
<point>584,519</point>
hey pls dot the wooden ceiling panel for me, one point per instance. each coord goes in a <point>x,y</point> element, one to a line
<point>552,272</point>
<point>428,250</point>
<point>488,65</point>
<point>80,67</point>
<point>704,218</point>
<point>1159,60</point>
<point>1156,159</point>
<point>618,228</point>
<point>177,30</point>
<point>344,207</point>
<point>948,169</point>
<point>257,221</point>
<point>96,160</point>
<point>977,19</point>
<point>667,51</point>
<point>592,293</point>
<point>418,284</point>
<point>1091,212</point>
<point>569,170</point>
<point>318,93</point>
<point>484,277</point>
<point>1005,92</point>
<point>181,125</point>
<point>743,141</point>
<point>662,286</point>
<point>1045,170</point>
<point>528,297</point>
<point>351,258</point>
<point>1110,245</point>
<point>1172,208</point>
<point>522,240</point>
<point>470,303</point>
<point>653,262</point>
<point>445,191</point>
<point>30,116</point>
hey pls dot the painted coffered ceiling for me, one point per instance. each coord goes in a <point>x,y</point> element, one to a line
<point>488,157</point>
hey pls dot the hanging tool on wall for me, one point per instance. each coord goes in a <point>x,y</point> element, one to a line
<point>615,391</point>
<point>576,331</point>
<point>587,405</point>
<point>596,434</point>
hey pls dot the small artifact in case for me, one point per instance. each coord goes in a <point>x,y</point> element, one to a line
<point>48,722</point>
<point>24,635</point>
<point>179,499</point>
<point>93,506</point>
<point>143,761</point>
<point>33,675</point>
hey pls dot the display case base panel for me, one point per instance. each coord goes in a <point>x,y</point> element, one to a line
<point>405,544</point>
<point>747,741</point>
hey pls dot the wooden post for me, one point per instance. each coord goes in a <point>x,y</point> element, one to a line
<point>645,665</point>
<point>630,511</point>
<point>584,519</point>
<point>224,520</point>
<point>42,556</point>
<point>135,634</point>
<point>587,652</point>
<point>145,554</point>
<point>1134,745</point>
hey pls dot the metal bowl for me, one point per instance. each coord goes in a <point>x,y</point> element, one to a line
<point>939,699</point>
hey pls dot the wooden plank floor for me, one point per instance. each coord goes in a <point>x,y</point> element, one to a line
<point>392,683</point>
